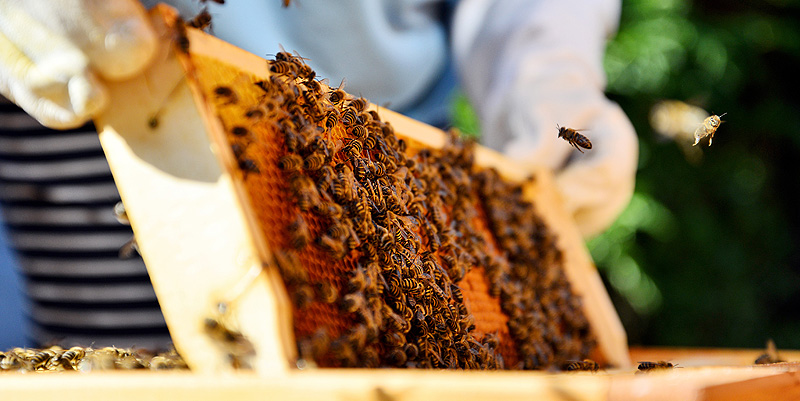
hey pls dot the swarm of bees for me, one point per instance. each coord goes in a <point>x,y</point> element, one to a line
<point>392,256</point>
<point>87,359</point>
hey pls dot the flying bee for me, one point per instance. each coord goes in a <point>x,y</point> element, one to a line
<point>708,128</point>
<point>574,138</point>
<point>226,94</point>
<point>648,366</point>
<point>584,365</point>
<point>201,21</point>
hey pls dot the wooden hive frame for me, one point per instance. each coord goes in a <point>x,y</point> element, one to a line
<point>167,150</point>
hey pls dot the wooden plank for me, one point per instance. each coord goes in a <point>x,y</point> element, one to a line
<point>346,384</point>
<point>710,383</point>
<point>682,384</point>
<point>689,357</point>
<point>783,387</point>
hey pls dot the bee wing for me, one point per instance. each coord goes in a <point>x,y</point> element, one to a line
<point>697,135</point>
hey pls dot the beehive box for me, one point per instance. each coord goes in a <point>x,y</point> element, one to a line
<point>199,198</point>
<point>209,152</point>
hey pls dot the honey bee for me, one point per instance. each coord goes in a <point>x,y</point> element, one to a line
<point>648,366</point>
<point>708,128</point>
<point>336,96</point>
<point>201,21</point>
<point>290,267</point>
<point>42,358</point>
<point>290,162</point>
<point>255,113</point>
<point>314,161</point>
<point>334,247</point>
<point>299,233</point>
<point>330,119</point>
<point>359,131</point>
<point>248,166</point>
<point>182,40</point>
<point>397,357</point>
<point>358,280</point>
<point>226,94</point>
<point>359,104</point>
<point>574,138</point>
<point>326,292</point>
<point>303,296</point>
<point>349,117</point>
<point>770,356</point>
<point>70,358</point>
<point>328,209</point>
<point>230,339</point>
<point>283,68</point>
<point>585,365</point>
<point>353,302</point>
<point>240,131</point>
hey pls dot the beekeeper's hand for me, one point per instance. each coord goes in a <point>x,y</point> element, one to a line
<point>53,54</point>
<point>528,65</point>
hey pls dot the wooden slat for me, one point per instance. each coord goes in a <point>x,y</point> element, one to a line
<point>188,221</point>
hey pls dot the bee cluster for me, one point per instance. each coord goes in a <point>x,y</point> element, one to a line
<point>87,359</point>
<point>393,255</point>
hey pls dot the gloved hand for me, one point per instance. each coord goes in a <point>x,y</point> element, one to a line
<point>55,54</point>
<point>528,65</point>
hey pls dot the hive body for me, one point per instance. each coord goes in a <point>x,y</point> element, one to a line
<point>380,248</point>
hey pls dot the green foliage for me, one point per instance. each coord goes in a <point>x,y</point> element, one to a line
<point>464,117</point>
<point>704,255</point>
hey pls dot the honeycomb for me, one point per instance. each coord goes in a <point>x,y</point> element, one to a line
<point>87,359</point>
<point>393,255</point>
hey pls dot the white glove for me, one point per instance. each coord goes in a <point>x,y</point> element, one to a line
<point>53,54</point>
<point>528,65</point>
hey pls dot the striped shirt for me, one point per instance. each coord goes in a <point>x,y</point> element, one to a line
<point>57,196</point>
